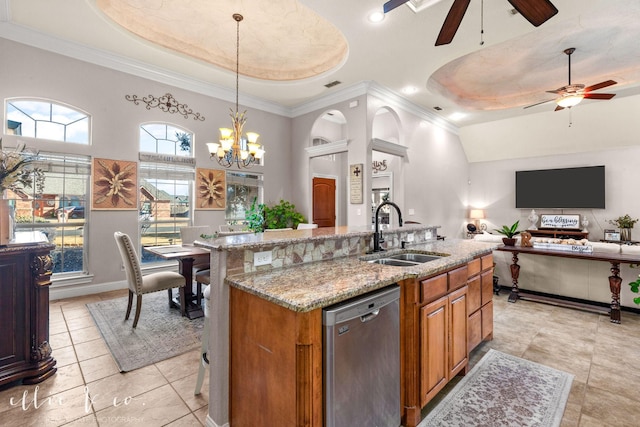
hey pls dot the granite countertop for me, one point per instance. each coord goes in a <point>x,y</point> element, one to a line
<point>309,286</point>
<point>284,237</point>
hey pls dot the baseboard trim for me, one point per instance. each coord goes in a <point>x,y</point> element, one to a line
<point>63,292</point>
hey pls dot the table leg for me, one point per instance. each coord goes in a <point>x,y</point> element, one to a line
<point>614,284</point>
<point>187,306</point>
<point>515,273</point>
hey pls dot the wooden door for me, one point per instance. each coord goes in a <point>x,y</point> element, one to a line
<point>324,202</point>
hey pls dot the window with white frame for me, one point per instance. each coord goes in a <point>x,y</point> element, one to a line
<point>38,118</point>
<point>166,185</point>
<point>242,189</point>
<point>61,211</point>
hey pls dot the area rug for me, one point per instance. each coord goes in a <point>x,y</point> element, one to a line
<point>504,390</point>
<point>161,333</point>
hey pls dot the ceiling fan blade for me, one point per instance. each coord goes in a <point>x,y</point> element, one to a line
<point>558,108</point>
<point>452,22</point>
<point>599,95</point>
<point>539,103</point>
<point>600,85</point>
<point>392,4</point>
<point>562,89</point>
<point>535,11</point>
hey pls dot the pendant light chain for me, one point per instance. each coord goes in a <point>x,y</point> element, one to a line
<point>238,18</point>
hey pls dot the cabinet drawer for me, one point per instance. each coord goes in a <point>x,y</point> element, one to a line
<point>487,321</point>
<point>473,267</point>
<point>474,297</point>
<point>433,288</point>
<point>458,278</point>
<point>487,262</point>
<point>487,287</point>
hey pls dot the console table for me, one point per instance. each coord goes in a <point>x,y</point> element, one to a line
<point>25,276</point>
<point>615,280</point>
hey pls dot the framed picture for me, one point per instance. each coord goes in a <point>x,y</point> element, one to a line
<point>612,235</point>
<point>211,189</point>
<point>114,184</point>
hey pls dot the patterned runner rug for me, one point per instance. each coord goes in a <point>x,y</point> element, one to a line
<point>161,333</point>
<point>504,390</point>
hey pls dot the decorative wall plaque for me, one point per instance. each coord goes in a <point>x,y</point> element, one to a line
<point>560,221</point>
<point>355,183</point>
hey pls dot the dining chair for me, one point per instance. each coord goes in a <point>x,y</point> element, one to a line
<point>304,225</point>
<point>204,347</point>
<point>139,284</point>
<point>188,235</point>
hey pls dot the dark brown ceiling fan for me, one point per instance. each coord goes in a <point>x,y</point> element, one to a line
<point>535,11</point>
<point>571,94</point>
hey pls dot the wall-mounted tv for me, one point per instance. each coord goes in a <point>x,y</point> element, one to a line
<point>568,188</point>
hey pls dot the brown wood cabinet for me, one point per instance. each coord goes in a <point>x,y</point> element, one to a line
<point>275,364</point>
<point>25,353</point>
<point>480,301</point>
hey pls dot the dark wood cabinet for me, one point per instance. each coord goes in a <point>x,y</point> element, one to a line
<point>25,276</point>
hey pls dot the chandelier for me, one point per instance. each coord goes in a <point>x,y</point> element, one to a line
<point>234,148</point>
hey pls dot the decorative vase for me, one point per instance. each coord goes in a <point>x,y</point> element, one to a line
<point>625,234</point>
<point>533,219</point>
<point>509,241</point>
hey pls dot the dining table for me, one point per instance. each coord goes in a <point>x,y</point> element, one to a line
<point>186,255</point>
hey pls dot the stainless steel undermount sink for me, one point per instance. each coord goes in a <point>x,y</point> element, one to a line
<point>403,259</point>
<point>394,262</point>
<point>419,258</point>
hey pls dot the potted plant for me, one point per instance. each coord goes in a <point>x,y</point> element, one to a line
<point>625,224</point>
<point>509,233</point>
<point>282,215</point>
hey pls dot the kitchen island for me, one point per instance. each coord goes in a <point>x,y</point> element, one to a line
<point>266,321</point>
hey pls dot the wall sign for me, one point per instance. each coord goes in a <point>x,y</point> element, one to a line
<point>560,221</point>
<point>355,183</point>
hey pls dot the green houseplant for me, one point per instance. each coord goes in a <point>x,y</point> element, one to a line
<point>509,232</point>
<point>282,215</point>
<point>625,223</point>
<point>254,216</point>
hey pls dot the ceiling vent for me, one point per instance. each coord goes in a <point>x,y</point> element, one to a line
<point>332,84</point>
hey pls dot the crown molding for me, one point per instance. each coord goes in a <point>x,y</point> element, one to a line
<point>39,40</point>
<point>388,147</point>
<point>20,34</point>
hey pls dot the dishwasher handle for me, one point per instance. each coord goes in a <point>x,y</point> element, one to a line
<point>369,316</point>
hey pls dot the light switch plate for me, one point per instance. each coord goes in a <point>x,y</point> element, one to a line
<point>262,258</point>
<point>410,237</point>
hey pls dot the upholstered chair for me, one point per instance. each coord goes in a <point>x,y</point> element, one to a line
<point>139,284</point>
<point>188,235</point>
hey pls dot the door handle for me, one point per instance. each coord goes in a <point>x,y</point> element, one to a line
<point>369,316</point>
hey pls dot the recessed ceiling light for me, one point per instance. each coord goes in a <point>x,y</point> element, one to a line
<point>376,17</point>
<point>409,90</point>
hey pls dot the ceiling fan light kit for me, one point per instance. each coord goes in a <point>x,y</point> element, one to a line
<point>572,94</point>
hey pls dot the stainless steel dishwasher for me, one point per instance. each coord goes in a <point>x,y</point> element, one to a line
<point>362,360</point>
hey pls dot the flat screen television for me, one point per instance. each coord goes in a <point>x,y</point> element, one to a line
<point>568,188</point>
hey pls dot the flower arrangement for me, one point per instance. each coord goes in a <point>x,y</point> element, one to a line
<point>17,171</point>
<point>623,221</point>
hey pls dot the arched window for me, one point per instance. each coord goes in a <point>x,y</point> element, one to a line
<point>167,174</point>
<point>43,119</point>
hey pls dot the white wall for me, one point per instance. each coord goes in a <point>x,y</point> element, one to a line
<point>492,187</point>
<point>31,72</point>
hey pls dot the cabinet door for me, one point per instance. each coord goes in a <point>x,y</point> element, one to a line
<point>458,318</point>
<point>13,306</point>
<point>487,321</point>
<point>487,287</point>
<point>434,329</point>
<point>474,330</point>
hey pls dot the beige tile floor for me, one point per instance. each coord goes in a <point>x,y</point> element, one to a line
<point>88,390</point>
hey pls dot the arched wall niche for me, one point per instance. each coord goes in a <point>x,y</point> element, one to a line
<point>387,158</point>
<point>327,155</point>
